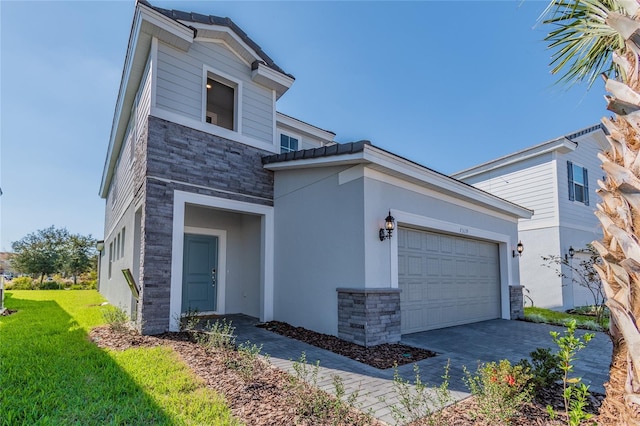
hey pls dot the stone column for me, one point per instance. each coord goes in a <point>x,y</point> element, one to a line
<point>369,317</point>
<point>516,299</point>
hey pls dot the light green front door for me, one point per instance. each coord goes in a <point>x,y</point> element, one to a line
<point>199,273</point>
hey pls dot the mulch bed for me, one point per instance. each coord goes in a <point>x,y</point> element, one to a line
<point>268,398</point>
<point>380,356</point>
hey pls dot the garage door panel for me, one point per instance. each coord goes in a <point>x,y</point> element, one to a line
<point>414,265</point>
<point>447,268</point>
<point>448,280</point>
<point>413,241</point>
<point>432,265</point>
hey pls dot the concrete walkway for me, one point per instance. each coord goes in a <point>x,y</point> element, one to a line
<point>465,345</point>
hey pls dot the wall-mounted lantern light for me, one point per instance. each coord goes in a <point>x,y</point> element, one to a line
<point>389,226</point>
<point>572,252</point>
<point>519,249</point>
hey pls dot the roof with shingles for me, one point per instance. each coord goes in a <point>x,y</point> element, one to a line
<point>325,151</point>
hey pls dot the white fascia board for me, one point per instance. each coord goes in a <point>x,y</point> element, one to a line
<point>442,182</point>
<point>166,29</point>
<point>109,161</point>
<point>307,163</point>
<point>272,79</point>
<point>135,61</point>
<point>212,31</point>
<point>562,146</point>
<point>303,127</point>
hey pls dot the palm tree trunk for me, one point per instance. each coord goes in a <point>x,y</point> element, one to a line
<point>614,408</point>
<point>619,214</point>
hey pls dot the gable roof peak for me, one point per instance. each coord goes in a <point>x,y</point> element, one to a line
<point>198,18</point>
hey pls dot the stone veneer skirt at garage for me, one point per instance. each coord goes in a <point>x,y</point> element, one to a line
<point>369,317</point>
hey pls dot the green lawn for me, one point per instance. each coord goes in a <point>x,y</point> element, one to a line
<point>51,374</point>
<point>561,318</point>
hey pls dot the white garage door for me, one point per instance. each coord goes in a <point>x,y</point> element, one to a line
<point>446,280</point>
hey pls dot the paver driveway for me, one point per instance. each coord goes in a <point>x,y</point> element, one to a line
<point>464,345</point>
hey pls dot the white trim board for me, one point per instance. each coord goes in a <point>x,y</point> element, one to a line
<point>163,114</point>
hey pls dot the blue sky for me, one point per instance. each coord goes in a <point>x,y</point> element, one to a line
<point>446,84</point>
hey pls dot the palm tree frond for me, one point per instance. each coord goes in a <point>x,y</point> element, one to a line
<point>581,41</point>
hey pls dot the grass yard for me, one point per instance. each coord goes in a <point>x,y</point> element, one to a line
<point>51,374</point>
<point>562,318</point>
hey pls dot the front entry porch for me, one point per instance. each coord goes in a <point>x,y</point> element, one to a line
<point>221,258</point>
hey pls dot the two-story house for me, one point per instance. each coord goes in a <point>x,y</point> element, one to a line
<point>216,202</point>
<point>557,180</point>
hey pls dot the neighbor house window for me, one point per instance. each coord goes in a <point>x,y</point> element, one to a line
<point>578,183</point>
<point>221,103</point>
<point>288,143</point>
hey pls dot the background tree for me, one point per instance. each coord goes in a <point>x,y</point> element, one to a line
<point>602,37</point>
<point>80,253</point>
<point>41,252</point>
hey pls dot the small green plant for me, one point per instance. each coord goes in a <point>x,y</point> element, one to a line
<point>314,403</point>
<point>218,335</point>
<point>544,368</point>
<point>116,317</point>
<point>248,361</point>
<point>500,390</point>
<point>189,320</point>
<point>419,400</point>
<point>535,318</point>
<point>591,325</point>
<point>574,392</point>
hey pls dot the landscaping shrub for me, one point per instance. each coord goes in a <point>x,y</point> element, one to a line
<point>575,393</point>
<point>116,317</point>
<point>544,368</point>
<point>19,283</point>
<point>535,318</point>
<point>311,402</point>
<point>50,285</point>
<point>500,390</point>
<point>419,400</point>
<point>218,335</point>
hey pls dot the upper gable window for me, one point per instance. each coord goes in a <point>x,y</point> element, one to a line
<point>578,183</point>
<point>288,143</point>
<point>221,102</point>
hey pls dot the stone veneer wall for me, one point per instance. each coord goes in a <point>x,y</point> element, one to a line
<point>180,158</point>
<point>369,317</point>
<point>516,299</point>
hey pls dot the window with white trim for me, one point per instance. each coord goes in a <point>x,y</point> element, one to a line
<point>221,102</point>
<point>578,183</point>
<point>288,143</point>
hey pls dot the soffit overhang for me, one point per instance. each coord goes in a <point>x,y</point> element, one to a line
<point>388,163</point>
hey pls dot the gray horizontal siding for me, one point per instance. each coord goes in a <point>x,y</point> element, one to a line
<point>179,86</point>
<point>123,180</point>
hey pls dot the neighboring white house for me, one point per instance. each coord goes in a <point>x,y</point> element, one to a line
<point>216,202</point>
<point>557,180</point>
